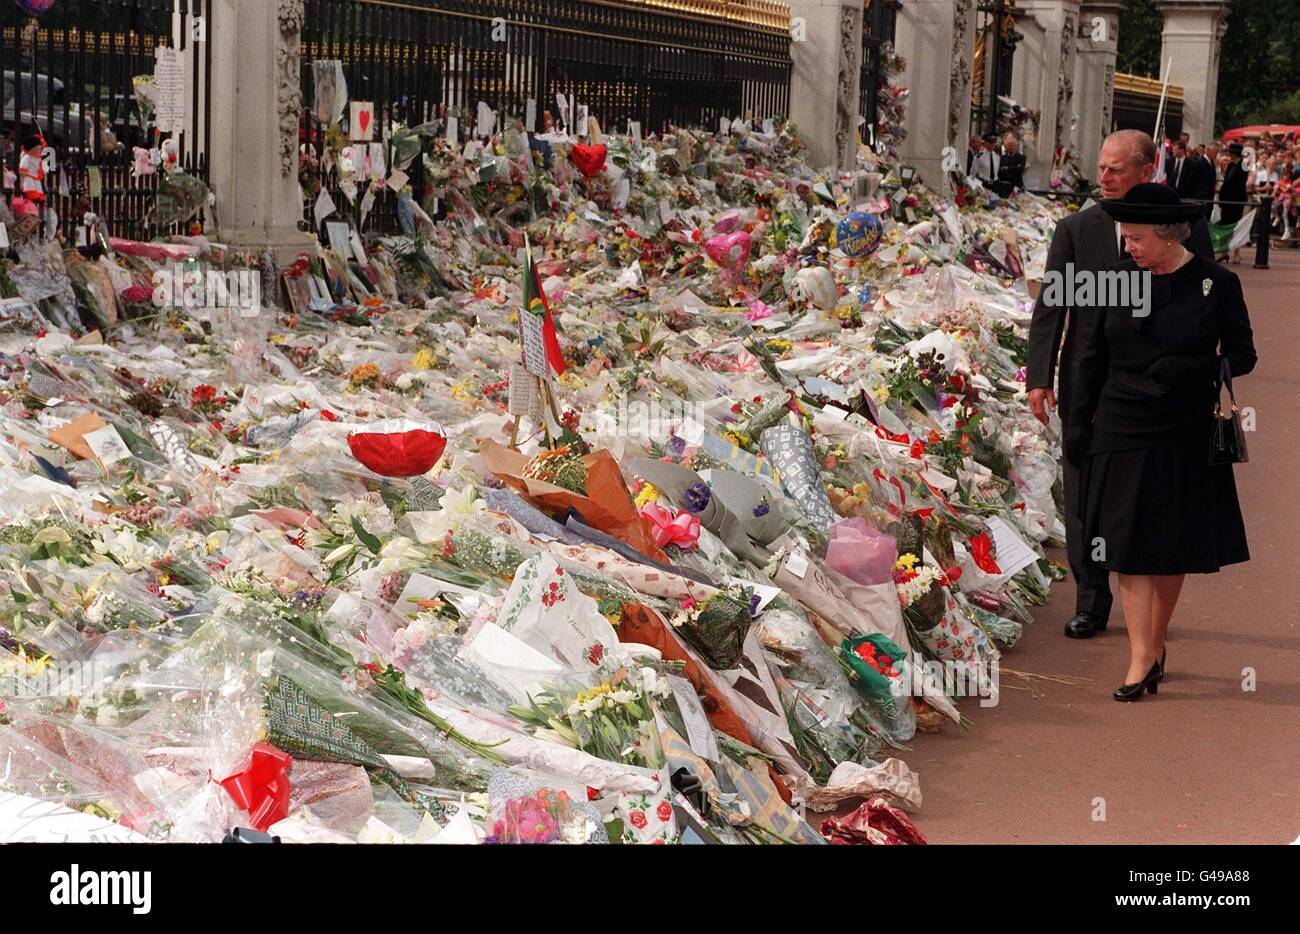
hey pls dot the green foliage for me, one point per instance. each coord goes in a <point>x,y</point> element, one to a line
<point>1259,64</point>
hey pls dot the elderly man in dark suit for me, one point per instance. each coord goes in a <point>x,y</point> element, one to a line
<point>1090,242</point>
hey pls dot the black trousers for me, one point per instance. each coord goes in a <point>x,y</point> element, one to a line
<point>1092,582</point>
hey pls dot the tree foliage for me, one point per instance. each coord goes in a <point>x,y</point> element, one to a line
<point>1259,65</point>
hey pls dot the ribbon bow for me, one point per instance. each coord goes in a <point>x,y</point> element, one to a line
<point>981,549</point>
<point>263,788</point>
<point>669,528</point>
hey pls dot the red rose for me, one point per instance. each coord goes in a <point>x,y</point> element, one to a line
<point>637,820</point>
<point>665,811</point>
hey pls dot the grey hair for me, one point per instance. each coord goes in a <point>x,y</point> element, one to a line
<point>1181,231</point>
<point>1142,148</point>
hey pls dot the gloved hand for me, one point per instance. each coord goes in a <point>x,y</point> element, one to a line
<point>1178,372</point>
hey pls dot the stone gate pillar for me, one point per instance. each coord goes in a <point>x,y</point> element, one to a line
<point>1094,77</point>
<point>256,102</point>
<point>1192,37</point>
<point>1043,79</point>
<point>936,38</point>
<point>826,50</point>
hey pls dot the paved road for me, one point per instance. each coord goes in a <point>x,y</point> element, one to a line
<point>1202,762</point>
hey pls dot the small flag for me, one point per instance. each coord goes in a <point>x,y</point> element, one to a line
<point>535,303</point>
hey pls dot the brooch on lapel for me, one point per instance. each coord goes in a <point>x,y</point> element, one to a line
<point>1206,285</point>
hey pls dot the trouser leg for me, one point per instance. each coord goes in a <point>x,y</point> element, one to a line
<point>1092,582</point>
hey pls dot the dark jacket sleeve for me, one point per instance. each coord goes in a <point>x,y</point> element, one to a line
<point>1048,324</point>
<point>1236,343</point>
<point>1199,242</point>
<point>1205,182</point>
<point>1236,340</point>
<point>1090,375</point>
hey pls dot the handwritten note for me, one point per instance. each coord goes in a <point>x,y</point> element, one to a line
<point>1011,552</point>
<point>169,76</point>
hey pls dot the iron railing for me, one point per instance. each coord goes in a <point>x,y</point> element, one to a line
<point>878,23</point>
<point>996,39</point>
<point>418,60</point>
<point>68,75</point>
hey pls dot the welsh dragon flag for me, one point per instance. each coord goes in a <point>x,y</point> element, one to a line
<point>537,317</point>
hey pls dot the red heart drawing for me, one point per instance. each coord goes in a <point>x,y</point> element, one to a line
<point>590,160</point>
<point>364,118</point>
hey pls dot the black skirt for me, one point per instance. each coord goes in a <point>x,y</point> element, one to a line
<point>1161,509</point>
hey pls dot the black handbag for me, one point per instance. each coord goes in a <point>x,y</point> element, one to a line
<point>1227,440</point>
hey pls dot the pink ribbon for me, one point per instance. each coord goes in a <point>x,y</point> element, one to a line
<point>669,528</point>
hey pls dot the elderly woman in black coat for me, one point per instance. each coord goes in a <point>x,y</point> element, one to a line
<point>1153,508</point>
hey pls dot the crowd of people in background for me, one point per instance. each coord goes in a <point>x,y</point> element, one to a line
<point>1225,171</point>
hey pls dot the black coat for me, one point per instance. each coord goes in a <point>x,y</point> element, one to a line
<point>1206,181</point>
<point>1232,189</point>
<point>1088,240</point>
<point>1188,180</point>
<point>1149,497</point>
<point>1012,170</point>
<point>1143,380</point>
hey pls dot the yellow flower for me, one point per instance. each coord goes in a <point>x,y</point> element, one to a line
<point>648,494</point>
<point>424,360</point>
<point>461,391</point>
<point>881,394</point>
<point>906,562</point>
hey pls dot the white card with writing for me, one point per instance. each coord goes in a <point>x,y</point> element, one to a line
<point>1012,554</point>
<point>358,248</point>
<point>582,121</point>
<point>4,237</point>
<point>107,445</point>
<point>699,733</point>
<point>337,231</point>
<point>530,330</point>
<point>768,127</point>
<point>486,121</point>
<point>724,126</point>
<point>530,115</point>
<point>325,206</point>
<point>378,163</point>
<point>453,131</point>
<point>634,129</point>
<point>525,399</point>
<point>563,106</point>
<point>397,181</point>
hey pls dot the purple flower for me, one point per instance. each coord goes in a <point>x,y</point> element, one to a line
<point>761,510</point>
<point>676,445</point>
<point>698,496</point>
<point>754,601</point>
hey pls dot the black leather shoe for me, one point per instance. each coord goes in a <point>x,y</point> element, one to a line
<point>1085,626</point>
<point>1134,692</point>
<point>1164,654</point>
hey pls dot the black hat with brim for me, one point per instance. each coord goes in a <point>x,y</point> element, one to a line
<point>1151,203</point>
<point>1236,149</point>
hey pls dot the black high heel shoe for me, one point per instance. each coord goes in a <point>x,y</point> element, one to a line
<point>1133,692</point>
<point>1163,654</point>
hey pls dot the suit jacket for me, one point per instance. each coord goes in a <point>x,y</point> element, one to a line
<point>1088,241</point>
<point>1205,181</point>
<point>1186,181</point>
<point>1232,189</point>
<point>1012,170</point>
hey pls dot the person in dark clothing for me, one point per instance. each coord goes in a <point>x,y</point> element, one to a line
<point>1151,502</point>
<point>1233,187</point>
<point>1206,181</point>
<point>1090,241</point>
<point>1011,168</point>
<point>1184,173</point>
